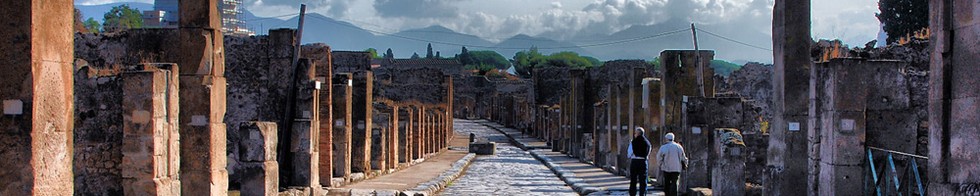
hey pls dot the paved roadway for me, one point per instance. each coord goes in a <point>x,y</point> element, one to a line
<point>511,171</point>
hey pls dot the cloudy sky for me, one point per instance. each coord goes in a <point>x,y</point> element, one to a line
<point>850,20</point>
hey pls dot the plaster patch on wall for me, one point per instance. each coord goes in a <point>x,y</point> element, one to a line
<point>13,107</point>
<point>199,120</point>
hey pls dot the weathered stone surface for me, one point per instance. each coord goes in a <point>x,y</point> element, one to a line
<point>260,178</point>
<point>728,170</point>
<point>258,141</point>
<point>483,148</point>
<point>954,98</point>
<point>148,163</point>
<point>786,167</point>
<point>36,128</point>
<point>342,123</point>
<point>362,111</point>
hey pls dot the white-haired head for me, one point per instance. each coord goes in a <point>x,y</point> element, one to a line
<point>639,130</point>
<point>669,136</point>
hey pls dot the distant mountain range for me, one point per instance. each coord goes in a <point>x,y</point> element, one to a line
<point>342,35</point>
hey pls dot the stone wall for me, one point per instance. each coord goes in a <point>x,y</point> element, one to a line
<point>98,133</point>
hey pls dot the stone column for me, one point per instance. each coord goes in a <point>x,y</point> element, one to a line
<point>419,133</point>
<point>654,120</point>
<point>323,61</point>
<point>728,172</point>
<point>394,139</point>
<point>954,98</point>
<point>786,169</point>
<point>429,129</point>
<point>150,149</point>
<point>303,144</point>
<point>259,166</point>
<point>413,133</point>
<point>342,124</point>
<point>362,113</point>
<point>844,89</point>
<point>379,145</point>
<point>202,100</point>
<point>405,135</point>
<point>450,101</point>
<point>36,128</point>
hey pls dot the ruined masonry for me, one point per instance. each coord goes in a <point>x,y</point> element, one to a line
<point>188,111</point>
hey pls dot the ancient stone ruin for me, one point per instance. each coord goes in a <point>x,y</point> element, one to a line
<point>188,111</point>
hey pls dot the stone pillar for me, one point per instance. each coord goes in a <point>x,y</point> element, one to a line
<point>728,172</point>
<point>846,91</point>
<point>324,77</point>
<point>450,101</point>
<point>404,135</point>
<point>954,98</point>
<point>429,129</point>
<point>419,133</point>
<point>362,113</point>
<point>305,128</point>
<point>394,139</point>
<point>653,111</point>
<point>202,100</point>
<point>259,166</point>
<point>342,124</point>
<point>619,146</point>
<point>413,133</point>
<point>150,147</point>
<point>786,169</point>
<point>36,128</point>
<point>379,145</point>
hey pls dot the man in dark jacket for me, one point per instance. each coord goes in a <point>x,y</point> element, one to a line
<point>637,153</point>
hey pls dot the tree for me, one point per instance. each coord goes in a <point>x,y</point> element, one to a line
<point>464,57</point>
<point>428,53</point>
<point>122,17</point>
<point>92,26</point>
<point>374,53</point>
<point>389,54</point>
<point>438,55</point>
<point>78,25</point>
<point>526,61</point>
<point>415,55</point>
<point>488,58</point>
<point>902,17</point>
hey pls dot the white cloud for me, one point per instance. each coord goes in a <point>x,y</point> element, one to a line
<point>850,20</point>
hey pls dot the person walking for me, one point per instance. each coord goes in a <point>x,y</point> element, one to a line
<point>672,161</point>
<point>637,153</point>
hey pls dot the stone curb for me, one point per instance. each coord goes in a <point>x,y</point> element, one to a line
<point>435,185</point>
<point>577,184</point>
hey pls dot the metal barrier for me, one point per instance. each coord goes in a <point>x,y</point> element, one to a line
<point>889,176</point>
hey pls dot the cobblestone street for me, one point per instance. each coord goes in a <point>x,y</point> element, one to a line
<point>511,171</point>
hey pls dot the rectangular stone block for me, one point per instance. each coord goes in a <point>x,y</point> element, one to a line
<point>199,14</point>
<point>259,141</point>
<point>305,171</point>
<point>483,148</point>
<point>260,178</point>
<point>197,54</point>
<point>147,133</point>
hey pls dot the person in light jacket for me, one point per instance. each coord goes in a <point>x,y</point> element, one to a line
<point>637,153</point>
<point>672,161</point>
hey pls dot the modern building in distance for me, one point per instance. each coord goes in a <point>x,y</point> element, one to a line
<point>165,15</point>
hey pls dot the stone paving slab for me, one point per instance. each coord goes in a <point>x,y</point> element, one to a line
<point>511,171</point>
<point>584,178</point>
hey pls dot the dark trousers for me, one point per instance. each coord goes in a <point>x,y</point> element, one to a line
<point>638,175</point>
<point>670,183</point>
